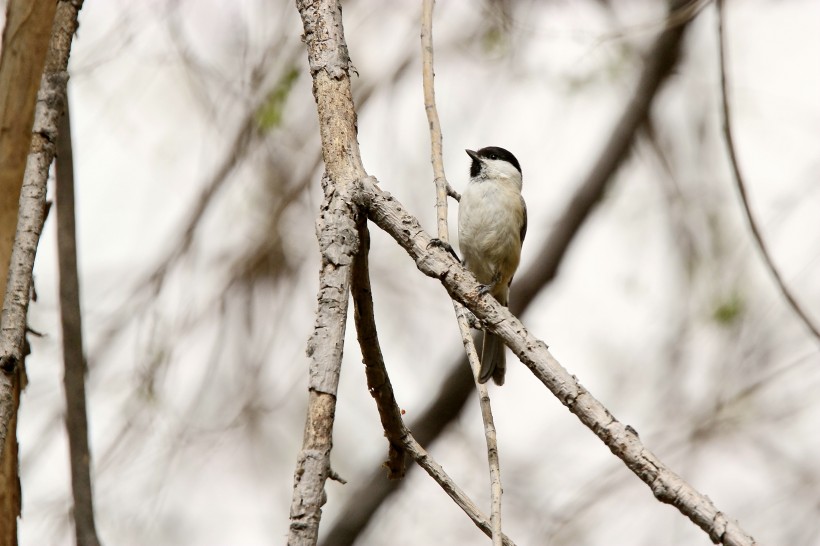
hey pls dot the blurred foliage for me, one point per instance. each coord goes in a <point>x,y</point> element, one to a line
<point>269,115</point>
<point>729,310</point>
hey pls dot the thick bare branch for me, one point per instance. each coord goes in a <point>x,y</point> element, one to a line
<point>22,57</point>
<point>31,214</point>
<point>728,137</point>
<point>338,243</point>
<point>659,64</point>
<point>623,441</point>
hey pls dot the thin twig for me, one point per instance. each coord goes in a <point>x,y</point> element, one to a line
<point>741,184</point>
<point>442,191</point>
<point>378,383</point>
<point>489,424</point>
<point>401,440</point>
<point>436,156</point>
<point>73,355</point>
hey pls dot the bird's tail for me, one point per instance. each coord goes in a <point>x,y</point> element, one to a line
<point>493,359</point>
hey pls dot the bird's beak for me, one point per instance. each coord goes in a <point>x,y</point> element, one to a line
<point>473,154</point>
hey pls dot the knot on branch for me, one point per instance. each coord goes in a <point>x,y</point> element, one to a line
<point>718,530</point>
<point>8,363</point>
<point>336,229</point>
<point>50,104</point>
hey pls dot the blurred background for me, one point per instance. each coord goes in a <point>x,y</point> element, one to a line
<point>197,162</point>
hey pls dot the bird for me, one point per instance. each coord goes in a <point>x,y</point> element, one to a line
<point>492,224</point>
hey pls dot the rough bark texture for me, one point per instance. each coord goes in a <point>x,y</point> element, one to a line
<point>25,42</point>
<point>30,218</point>
<point>338,243</point>
<point>31,211</point>
<point>659,63</point>
<point>622,440</point>
<point>329,67</point>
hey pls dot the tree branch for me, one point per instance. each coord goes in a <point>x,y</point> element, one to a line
<point>400,438</point>
<point>329,65</point>
<point>623,441</point>
<point>442,191</point>
<point>659,63</point>
<point>31,215</point>
<point>378,383</point>
<point>741,185</point>
<point>26,37</point>
<point>338,244</point>
<point>73,355</point>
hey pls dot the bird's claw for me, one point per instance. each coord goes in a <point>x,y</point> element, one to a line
<point>446,246</point>
<point>472,320</point>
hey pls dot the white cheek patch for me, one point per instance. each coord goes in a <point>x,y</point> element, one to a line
<point>503,172</point>
<point>497,168</point>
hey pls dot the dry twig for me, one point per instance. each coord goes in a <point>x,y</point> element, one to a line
<point>442,191</point>
<point>741,185</point>
<point>73,355</point>
<point>400,438</point>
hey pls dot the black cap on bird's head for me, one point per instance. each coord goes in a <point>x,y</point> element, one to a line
<point>492,153</point>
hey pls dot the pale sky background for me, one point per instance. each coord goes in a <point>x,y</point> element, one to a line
<point>149,129</point>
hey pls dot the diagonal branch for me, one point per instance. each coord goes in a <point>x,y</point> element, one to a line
<point>623,441</point>
<point>741,185</point>
<point>659,64</point>
<point>401,440</point>
<point>31,215</point>
<point>378,383</point>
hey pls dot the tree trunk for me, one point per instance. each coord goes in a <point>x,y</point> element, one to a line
<point>25,42</point>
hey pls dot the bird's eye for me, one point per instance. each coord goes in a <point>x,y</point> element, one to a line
<point>493,156</point>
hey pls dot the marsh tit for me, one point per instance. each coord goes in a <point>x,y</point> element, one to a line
<point>492,222</point>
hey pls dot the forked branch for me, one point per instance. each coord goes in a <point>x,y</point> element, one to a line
<point>401,439</point>
<point>329,67</point>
